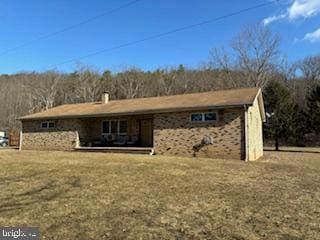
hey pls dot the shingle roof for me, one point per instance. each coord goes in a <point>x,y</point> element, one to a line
<point>204,100</point>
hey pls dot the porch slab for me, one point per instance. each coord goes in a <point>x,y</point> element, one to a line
<point>138,150</point>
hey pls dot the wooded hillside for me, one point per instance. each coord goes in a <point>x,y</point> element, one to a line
<point>252,59</point>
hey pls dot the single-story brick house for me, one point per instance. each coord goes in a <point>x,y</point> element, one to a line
<point>216,124</point>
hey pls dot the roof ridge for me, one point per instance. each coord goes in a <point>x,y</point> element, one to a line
<point>174,95</point>
<point>184,94</point>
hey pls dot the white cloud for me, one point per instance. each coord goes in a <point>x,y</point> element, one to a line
<point>313,36</point>
<point>298,9</point>
<point>303,9</point>
<point>271,19</point>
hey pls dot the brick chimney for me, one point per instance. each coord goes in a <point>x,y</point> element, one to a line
<point>105,98</point>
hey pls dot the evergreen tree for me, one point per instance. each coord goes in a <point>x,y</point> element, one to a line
<point>314,110</point>
<point>279,110</point>
<point>298,126</point>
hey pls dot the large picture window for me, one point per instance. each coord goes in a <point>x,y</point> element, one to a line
<point>118,127</point>
<point>204,117</point>
<point>106,127</point>
<point>114,126</point>
<point>123,127</point>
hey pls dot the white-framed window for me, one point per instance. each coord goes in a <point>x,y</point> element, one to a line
<point>44,125</point>
<point>196,117</point>
<point>123,126</point>
<point>48,125</point>
<point>52,124</point>
<point>118,127</point>
<point>204,117</point>
<point>106,127</point>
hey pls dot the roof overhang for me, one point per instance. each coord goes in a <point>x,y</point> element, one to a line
<point>134,113</point>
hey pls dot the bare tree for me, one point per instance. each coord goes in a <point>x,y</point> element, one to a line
<point>221,61</point>
<point>310,68</point>
<point>129,83</point>
<point>42,89</point>
<point>87,85</point>
<point>255,51</point>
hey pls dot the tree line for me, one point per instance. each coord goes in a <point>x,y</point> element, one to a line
<point>252,59</point>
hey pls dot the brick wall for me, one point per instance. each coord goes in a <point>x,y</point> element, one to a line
<point>63,137</point>
<point>174,134</point>
<point>66,132</point>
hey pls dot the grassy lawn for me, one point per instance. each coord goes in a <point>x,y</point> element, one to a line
<point>71,195</point>
<point>295,149</point>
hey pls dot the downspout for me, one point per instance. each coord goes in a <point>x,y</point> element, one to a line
<point>77,140</point>
<point>246,126</point>
<point>20,140</point>
<point>151,152</point>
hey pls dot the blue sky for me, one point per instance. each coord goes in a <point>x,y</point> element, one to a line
<point>296,21</point>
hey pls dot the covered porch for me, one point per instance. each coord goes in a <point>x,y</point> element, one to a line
<point>113,133</point>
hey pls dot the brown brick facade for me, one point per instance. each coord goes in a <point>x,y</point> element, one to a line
<point>67,132</point>
<point>63,137</point>
<point>175,134</point>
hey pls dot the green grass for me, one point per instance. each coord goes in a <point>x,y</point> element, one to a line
<point>71,195</point>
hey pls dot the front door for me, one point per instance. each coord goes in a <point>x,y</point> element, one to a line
<point>146,133</point>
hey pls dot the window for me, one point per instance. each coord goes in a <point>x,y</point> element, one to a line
<point>105,127</point>
<point>44,125</point>
<point>118,127</point>
<point>204,117</point>
<point>196,117</point>
<point>48,124</point>
<point>123,127</point>
<point>51,125</point>
<point>114,127</point>
<point>210,116</point>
